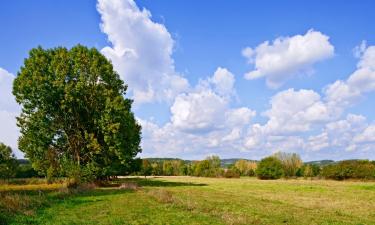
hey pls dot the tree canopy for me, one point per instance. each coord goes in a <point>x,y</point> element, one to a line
<point>75,119</point>
<point>269,168</point>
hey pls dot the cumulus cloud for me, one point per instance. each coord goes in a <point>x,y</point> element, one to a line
<point>202,120</point>
<point>141,51</point>
<point>9,109</point>
<point>287,56</point>
<point>294,115</point>
<point>342,94</point>
<point>198,111</point>
<point>295,111</point>
<point>367,136</point>
<point>223,81</point>
<point>352,133</point>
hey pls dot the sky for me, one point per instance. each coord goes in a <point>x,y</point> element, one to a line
<point>238,79</point>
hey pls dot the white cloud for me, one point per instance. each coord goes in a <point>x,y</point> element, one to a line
<point>364,77</point>
<point>352,133</point>
<point>207,107</point>
<point>367,136</point>
<point>342,94</point>
<point>223,80</point>
<point>141,51</point>
<point>287,56</point>
<point>318,142</point>
<point>9,109</point>
<point>198,111</point>
<point>295,111</point>
<point>201,120</point>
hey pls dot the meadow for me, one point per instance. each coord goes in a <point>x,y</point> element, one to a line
<point>190,200</point>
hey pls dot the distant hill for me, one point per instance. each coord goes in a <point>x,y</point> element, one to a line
<point>23,161</point>
<point>228,162</point>
<point>321,162</point>
<point>224,162</point>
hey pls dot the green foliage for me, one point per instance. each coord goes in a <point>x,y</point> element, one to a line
<point>245,167</point>
<point>164,167</point>
<point>8,162</point>
<point>291,163</point>
<point>349,169</point>
<point>309,170</point>
<point>146,168</point>
<point>230,173</point>
<point>269,168</point>
<point>210,167</point>
<point>26,171</point>
<point>74,111</point>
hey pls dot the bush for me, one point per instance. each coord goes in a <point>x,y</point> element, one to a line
<point>269,168</point>
<point>26,171</point>
<point>231,174</point>
<point>350,169</point>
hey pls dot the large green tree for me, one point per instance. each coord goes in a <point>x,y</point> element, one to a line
<point>75,119</point>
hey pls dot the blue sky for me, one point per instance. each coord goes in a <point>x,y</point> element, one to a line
<point>184,65</point>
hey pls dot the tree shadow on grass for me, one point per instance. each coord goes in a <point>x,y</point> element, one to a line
<point>144,182</point>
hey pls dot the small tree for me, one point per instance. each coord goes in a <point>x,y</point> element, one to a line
<point>291,163</point>
<point>210,167</point>
<point>245,167</point>
<point>308,171</point>
<point>146,168</point>
<point>168,168</point>
<point>269,168</point>
<point>157,168</point>
<point>8,162</point>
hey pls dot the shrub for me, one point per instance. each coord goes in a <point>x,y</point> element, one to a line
<point>26,171</point>
<point>350,169</point>
<point>231,174</point>
<point>269,168</point>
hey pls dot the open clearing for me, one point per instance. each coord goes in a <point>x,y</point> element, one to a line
<point>192,200</point>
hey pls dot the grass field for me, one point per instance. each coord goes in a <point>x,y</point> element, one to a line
<point>190,200</point>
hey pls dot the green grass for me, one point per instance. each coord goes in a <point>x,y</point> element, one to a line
<point>188,200</point>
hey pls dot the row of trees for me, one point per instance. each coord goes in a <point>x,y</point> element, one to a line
<point>281,164</point>
<point>350,169</point>
<point>290,165</point>
<point>209,167</point>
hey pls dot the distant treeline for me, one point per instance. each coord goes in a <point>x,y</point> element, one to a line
<point>279,165</point>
